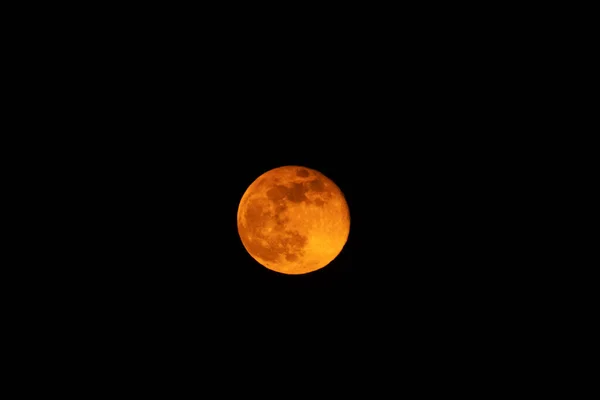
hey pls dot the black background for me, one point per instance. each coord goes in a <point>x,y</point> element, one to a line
<point>164,174</point>
<point>160,131</point>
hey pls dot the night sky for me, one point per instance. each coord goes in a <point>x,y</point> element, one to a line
<point>169,229</point>
<point>166,268</point>
<point>172,142</point>
<point>166,183</point>
<point>143,128</point>
<point>204,253</point>
<point>168,146</point>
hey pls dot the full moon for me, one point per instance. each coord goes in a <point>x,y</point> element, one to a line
<point>293,220</point>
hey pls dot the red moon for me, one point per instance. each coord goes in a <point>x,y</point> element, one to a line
<point>293,220</point>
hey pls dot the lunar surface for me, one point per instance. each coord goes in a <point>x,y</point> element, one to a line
<point>293,220</point>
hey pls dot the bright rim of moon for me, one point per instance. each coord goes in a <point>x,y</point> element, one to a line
<point>293,220</point>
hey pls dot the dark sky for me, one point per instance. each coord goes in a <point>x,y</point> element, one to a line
<point>197,194</point>
<point>169,156</point>
<point>168,136</point>
<point>167,208</point>
<point>151,124</point>
<point>164,265</point>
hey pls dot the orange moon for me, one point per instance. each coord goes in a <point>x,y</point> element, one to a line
<point>293,220</point>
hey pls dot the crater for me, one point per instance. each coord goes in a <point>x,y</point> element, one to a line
<point>251,233</point>
<point>278,192</point>
<point>257,249</point>
<point>279,220</point>
<point>297,194</point>
<point>255,215</point>
<point>274,246</point>
<point>317,185</point>
<point>288,243</point>
<point>295,240</point>
<point>301,172</point>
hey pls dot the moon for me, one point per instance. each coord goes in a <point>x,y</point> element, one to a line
<point>293,220</point>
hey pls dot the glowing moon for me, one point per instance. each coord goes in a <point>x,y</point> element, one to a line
<point>293,220</point>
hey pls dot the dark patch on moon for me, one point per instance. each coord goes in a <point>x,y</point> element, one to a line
<point>317,185</point>
<point>265,233</point>
<point>292,242</point>
<point>295,194</point>
<point>288,243</point>
<point>301,172</point>
<point>277,193</point>
<point>256,216</point>
<point>279,220</point>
